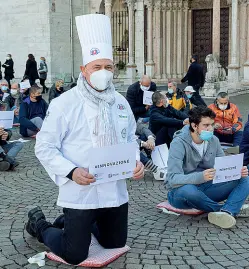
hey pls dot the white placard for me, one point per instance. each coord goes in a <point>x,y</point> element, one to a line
<point>228,168</point>
<point>25,85</point>
<point>6,119</point>
<point>112,163</point>
<point>160,156</point>
<point>147,98</point>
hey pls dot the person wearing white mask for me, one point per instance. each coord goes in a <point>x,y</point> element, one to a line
<point>228,120</point>
<point>13,101</point>
<point>135,96</point>
<point>91,115</point>
<point>4,89</point>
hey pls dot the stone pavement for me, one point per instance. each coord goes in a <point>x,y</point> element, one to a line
<point>157,240</point>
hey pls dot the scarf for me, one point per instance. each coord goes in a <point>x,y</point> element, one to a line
<point>104,126</point>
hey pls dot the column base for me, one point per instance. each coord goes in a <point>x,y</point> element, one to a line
<point>233,73</point>
<point>150,69</point>
<point>131,73</point>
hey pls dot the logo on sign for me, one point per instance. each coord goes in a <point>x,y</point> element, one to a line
<point>123,133</point>
<point>121,107</point>
<point>94,51</point>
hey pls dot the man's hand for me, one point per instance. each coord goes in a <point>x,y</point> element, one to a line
<point>217,126</point>
<point>138,171</point>
<point>147,107</point>
<point>209,174</point>
<point>150,143</point>
<point>82,177</point>
<point>186,121</point>
<point>244,172</point>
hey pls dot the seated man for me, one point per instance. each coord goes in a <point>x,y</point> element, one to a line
<point>228,120</point>
<point>164,119</point>
<point>135,96</point>
<point>24,92</point>
<point>13,101</point>
<point>189,91</point>
<point>191,171</point>
<point>4,92</point>
<point>177,98</point>
<point>56,90</point>
<point>244,145</point>
<point>146,141</point>
<point>8,151</point>
<point>32,112</point>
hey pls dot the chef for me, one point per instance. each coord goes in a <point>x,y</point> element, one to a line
<point>91,115</point>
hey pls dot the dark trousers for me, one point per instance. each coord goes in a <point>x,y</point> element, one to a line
<point>165,135</point>
<point>42,82</point>
<point>234,139</point>
<point>196,99</point>
<point>109,225</point>
<point>8,79</point>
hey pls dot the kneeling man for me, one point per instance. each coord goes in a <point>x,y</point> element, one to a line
<point>190,173</point>
<point>91,115</point>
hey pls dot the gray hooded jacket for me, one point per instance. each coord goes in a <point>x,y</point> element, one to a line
<point>185,165</point>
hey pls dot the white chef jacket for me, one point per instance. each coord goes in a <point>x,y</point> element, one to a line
<point>67,137</point>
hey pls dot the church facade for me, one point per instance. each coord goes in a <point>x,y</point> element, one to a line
<point>156,37</point>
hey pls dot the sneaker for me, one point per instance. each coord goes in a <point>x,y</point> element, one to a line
<point>222,219</point>
<point>244,211</point>
<point>13,165</point>
<point>4,166</point>
<point>160,174</point>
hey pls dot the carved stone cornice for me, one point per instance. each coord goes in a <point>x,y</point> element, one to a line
<point>243,2</point>
<point>130,3</point>
<point>164,5</point>
<point>149,3</point>
<point>158,5</point>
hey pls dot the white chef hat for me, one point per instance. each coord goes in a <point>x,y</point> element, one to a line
<point>95,36</point>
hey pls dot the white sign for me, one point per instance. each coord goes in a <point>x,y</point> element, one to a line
<point>160,156</point>
<point>25,85</point>
<point>147,98</point>
<point>112,163</point>
<point>6,119</point>
<point>228,168</point>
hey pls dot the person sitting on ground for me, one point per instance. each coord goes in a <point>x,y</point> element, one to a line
<point>177,98</point>
<point>8,151</point>
<point>24,92</point>
<point>13,101</point>
<point>228,120</point>
<point>32,112</point>
<point>189,91</point>
<point>244,145</point>
<point>191,171</point>
<point>4,85</point>
<point>135,96</point>
<point>146,142</point>
<point>164,119</point>
<point>56,91</point>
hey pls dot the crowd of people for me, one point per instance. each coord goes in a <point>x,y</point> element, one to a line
<point>93,115</point>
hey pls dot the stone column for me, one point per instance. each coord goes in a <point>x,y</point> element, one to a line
<point>108,8</point>
<point>150,66</point>
<point>179,50</point>
<point>185,36</point>
<point>216,28</point>
<point>131,66</point>
<point>169,43</point>
<point>158,46</point>
<point>164,48</point>
<point>189,35</point>
<point>233,68</point>
<point>246,64</point>
<point>175,49</point>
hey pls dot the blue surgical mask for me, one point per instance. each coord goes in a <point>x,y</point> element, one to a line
<point>206,135</point>
<point>189,96</point>
<point>4,88</point>
<point>170,91</point>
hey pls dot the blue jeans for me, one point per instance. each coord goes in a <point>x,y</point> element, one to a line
<point>235,138</point>
<point>207,196</point>
<point>16,118</point>
<point>11,149</point>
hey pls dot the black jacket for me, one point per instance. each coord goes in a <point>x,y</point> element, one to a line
<point>134,96</point>
<point>25,116</point>
<point>195,76</point>
<point>9,68</point>
<point>53,93</point>
<point>244,146</point>
<point>31,70</point>
<point>165,117</point>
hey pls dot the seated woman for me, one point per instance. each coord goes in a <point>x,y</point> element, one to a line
<point>56,90</point>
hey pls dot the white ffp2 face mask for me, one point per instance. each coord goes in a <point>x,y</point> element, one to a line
<point>101,79</point>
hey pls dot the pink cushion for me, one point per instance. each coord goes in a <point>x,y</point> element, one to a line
<point>97,257</point>
<point>169,207</point>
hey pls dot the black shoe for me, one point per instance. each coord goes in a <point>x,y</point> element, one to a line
<point>13,165</point>
<point>59,222</point>
<point>34,216</point>
<point>4,165</point>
